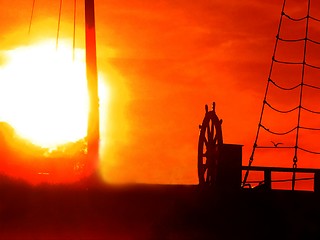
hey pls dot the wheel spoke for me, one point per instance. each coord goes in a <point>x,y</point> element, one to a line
<point>204,154</point>
<point>215,140</point>
<point>212,129</point>
<point>208,132</point>
<point>205,142</point>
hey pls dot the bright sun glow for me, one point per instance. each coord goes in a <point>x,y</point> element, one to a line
<point>43,93</point>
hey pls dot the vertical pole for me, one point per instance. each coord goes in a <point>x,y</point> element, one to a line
<point>267,179</point>
<point>93,135</point>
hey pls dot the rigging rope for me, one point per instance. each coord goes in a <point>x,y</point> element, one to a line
<point>313,41</point>
<point>281,111</point>
<point>311,86</point>
<point>312,66</point>
<point>286,62</point>
<point>298,40</point>
<point>295,158</point>
<point>315,19</point>
<point>308,151</point>
<point>59,21</point>
<point>291,40</point>
<point>283,88</point>
<point>31,17</point>
<point>302,85</point>
<point>309,110</point>
<point>304,63</point>
<point>74,29</point>
<point>293,19</point>
<point>310,128</point>
<point>278,133</point>
<point>265,96</point>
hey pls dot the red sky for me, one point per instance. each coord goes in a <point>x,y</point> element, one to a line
<point>164,60</point>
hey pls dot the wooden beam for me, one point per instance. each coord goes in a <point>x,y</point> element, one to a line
<point>93,135</point>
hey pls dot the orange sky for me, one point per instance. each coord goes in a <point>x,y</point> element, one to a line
<point>164,60</point>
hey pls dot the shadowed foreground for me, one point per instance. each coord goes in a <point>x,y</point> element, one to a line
<point>153,212</point>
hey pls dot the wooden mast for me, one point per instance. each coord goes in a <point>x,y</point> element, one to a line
<point>93,135</point>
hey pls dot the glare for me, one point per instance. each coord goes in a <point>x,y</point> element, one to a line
<point>43,93</point>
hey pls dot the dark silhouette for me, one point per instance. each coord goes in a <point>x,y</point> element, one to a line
<point>209,147</point>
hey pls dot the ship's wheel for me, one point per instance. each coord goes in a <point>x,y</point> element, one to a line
<point>209,147</point>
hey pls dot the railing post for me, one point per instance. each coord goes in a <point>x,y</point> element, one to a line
<point>316,182</point>
<point>267,179</point>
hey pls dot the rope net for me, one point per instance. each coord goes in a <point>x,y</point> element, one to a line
<point>289,123</point>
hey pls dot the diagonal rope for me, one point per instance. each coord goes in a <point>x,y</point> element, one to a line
<point>304,63</point>
<point>302,18</point>
<point>59,21</point>
<point>308,151</point>
<point>312,66</point>
<point>311,86</point>
<point>74,28</point>
<point>313,41</point>
<point>31,17</point>
<point>309,110</point>
<point>265,96</point>
<point>315,19</point>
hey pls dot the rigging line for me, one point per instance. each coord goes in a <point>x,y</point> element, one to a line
<point>265,95</point>
<point>74,29</point>
<point>312,66</point>
<point>311,86</point>
<point>310,128</point>
<point>291,40</point>
<point>313,41</point>
<point>31,17</point>
<point>294,19</point>
<point>281,111</point>
<point>315,19</point>
<point>277,133</point>
<point>296,63</point>
<point>309,110</point>
<point>295,158</point>
<point>286,62</point>
<point>283,88</point>
<point>308,151</point>
<point>298,40</point>
<point>59,21</point>
<point>302,18</point>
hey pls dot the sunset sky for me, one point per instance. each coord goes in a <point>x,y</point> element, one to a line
<point>162,61</point>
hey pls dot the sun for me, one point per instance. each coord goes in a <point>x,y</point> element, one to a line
<point>43,93</point>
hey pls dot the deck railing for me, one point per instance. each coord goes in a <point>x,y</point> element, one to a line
<point>268,170</point>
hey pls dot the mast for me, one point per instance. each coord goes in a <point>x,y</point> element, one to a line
<point>93,135</point>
